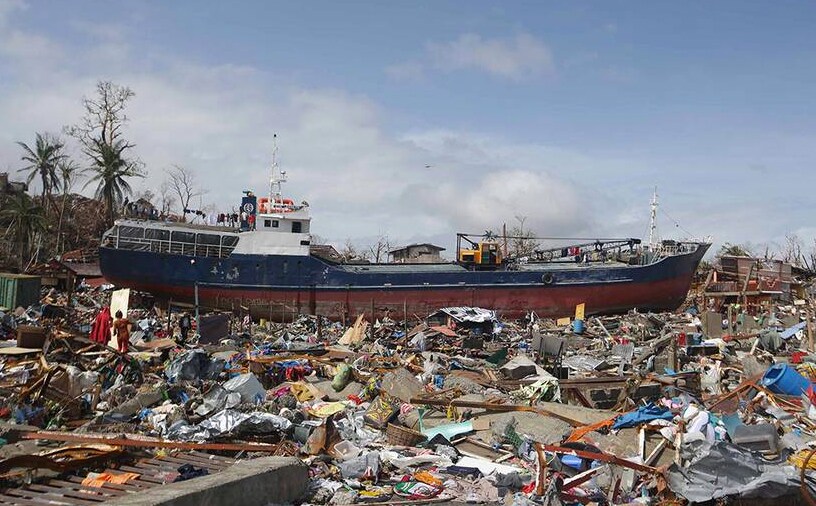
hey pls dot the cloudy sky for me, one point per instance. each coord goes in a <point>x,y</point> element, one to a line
<point>420,119</point>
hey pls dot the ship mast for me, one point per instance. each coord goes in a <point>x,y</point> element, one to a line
<point>653,238</point>
<point>278,176</point>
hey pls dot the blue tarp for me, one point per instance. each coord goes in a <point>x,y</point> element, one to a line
<point>642,415</point>
<point>789,332</point>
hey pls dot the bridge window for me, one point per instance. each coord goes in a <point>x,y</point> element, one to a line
<point>209,239</point>
<point>297,227</point>
<point>188,237</point>
<point>208,245</point>
<point>156,234</point>
<point>133,238</point>
<point>131,232</point>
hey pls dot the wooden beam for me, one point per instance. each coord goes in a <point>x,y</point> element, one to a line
<point>146,442</point>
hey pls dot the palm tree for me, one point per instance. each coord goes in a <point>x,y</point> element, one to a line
<point>110,171</point>
<point>67,169</point>
<point>25,221</point>
<point>43,160</point>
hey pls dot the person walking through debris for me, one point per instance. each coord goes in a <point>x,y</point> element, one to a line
<point>185,325</point>
<point>121,329</point>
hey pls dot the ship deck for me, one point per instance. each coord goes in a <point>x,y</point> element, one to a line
<point>454,267</point>
<point>177,225</point>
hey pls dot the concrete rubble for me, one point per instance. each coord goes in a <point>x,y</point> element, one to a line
<point>461,405</point>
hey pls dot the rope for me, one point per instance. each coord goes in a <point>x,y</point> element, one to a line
<point>676,223</point>
<point>803,488</point>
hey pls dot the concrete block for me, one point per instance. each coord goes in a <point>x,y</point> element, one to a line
<point>400,383</point>
<point>256,482</point>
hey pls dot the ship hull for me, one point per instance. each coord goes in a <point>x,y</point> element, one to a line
<point>280,287</point>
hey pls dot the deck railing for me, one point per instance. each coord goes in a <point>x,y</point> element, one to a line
<point>173,247</point>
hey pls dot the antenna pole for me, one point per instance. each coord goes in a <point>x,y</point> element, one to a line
<point>277,177</point>
<point>653,221</point>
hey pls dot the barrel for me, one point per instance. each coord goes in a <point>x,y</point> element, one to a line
<point>578,326</point>
<point>785,380</point>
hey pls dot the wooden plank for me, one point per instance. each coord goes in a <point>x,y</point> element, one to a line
<point>172,461</point>
<point>148,475</point>
<point>207,456</point>
<point>144,442</point>
<point>38,498</point>
<point>132,485</point>
<point>78,484</point>
<point>22,501</point>
<point>95,495</point>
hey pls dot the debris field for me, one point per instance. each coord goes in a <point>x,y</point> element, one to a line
<point>457,406</point>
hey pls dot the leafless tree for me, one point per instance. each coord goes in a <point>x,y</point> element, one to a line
<point>104,117</point>
<point>792,251</point>
<point>810,262</point>
<point>379,251</point>
<point>100,132</point>
<point>350,253</point>
<point>182,183</point>
<point>166,200</point>
<point>522,240</point>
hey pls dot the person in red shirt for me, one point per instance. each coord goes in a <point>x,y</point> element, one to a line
<point>121,329</point>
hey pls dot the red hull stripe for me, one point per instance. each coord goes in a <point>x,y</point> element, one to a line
<point>552,301</point>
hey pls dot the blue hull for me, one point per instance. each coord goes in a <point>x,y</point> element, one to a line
<point>311,284</point>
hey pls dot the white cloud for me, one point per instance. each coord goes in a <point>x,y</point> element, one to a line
<point>551,206</point>
<point>408,71</point>
<point>516,58</point>
<point>361,180</point>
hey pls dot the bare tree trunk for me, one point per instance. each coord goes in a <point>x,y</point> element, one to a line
<point>59,226</point>
<point>34,255</point>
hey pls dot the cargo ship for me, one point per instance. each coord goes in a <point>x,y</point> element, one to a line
<point>268,265</point>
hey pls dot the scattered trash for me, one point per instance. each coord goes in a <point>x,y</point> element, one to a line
<point>460,405</point>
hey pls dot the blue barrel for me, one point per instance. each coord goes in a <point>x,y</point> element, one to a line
<point>785,380</point>
<point>578,326</point>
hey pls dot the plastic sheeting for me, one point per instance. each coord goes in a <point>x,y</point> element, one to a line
<point>230,422</point>
<point>724,469</point>
<point>248,386</point>
<point>193,365</point>
<point>217,399</point>
<point>470,314</point>
<point>642,415</point>
<point>585,363</point>
<point>364,466</point>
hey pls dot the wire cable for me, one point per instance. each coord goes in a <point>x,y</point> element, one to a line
<point>676,223</point>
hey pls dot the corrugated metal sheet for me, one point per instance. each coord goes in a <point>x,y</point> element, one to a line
<point>19,290</point>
